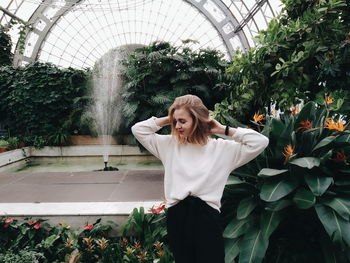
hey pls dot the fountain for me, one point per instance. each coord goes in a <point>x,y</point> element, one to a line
<point>107,105</point>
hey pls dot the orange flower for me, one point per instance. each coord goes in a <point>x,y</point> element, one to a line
<point>142,255</point>
<point>258,118</point>
<point>160,253</point>
<point>335,125</point>
<point>69,243</point>
<point>340,157</point>
<point>158,245</point>
<point>294,110</point>
<point>305,125</point>
<point>328,100</point>
<point>137,245</point>
<point>288,153</point>
<point>102,243</point>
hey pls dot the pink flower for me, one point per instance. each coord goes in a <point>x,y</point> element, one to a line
<point>157,210</point>
<point>88,226</point>
<point>8,220</point>
<point>37,225</point>
<point>31,222</point>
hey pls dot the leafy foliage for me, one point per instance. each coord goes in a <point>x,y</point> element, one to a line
<point>302,55</point>
<point>37,241</point>
<point>5,47</point>
<point>291,204</point>
<point>157,74</point>
<point>39,99</point>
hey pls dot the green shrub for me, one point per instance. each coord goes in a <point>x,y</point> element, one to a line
<point>23,256</point>
<point>302,55</point>
<point>38,99</point>
<point>158,73</point>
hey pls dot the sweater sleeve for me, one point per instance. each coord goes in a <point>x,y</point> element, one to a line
<point>145,133</point>
<point>248,145</point>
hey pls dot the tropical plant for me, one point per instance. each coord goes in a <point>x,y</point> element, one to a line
<point>303,54</point>
<point>292,203</point>
<point>158,73</point>
<point>33,240</point>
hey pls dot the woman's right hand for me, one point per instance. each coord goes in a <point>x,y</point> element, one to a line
<point>163,121</point>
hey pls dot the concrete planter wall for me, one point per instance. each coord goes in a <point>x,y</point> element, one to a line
<point>18,156</point>
<point>88,140</point>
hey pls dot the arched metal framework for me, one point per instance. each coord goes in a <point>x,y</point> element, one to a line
<point>77,33</point>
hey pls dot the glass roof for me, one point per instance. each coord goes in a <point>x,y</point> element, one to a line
<point>77,33</point>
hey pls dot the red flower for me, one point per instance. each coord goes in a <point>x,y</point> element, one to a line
<point>157,210</point>
<point>88,226</point>
<point>8,220</point>
<point>37,225</point>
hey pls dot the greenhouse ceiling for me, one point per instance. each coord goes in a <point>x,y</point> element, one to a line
<point>76,33</point>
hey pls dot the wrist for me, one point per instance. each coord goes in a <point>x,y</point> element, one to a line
<point>227,130</point>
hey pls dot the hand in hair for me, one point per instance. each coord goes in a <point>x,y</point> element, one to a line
<point>216,127</point>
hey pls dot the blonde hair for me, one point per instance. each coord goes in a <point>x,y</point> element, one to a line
<point>200,116</point>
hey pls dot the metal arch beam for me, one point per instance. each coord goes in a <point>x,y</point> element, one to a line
<point>7,12</point>
<point>257,6</point>
<point>36,16</point>
<point>219,26</point>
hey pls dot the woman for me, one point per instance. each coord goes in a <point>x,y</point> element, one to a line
<point>196,170</point>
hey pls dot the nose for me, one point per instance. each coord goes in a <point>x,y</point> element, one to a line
<point>178,125</point>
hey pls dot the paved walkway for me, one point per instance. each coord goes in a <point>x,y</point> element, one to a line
<point>79,193</point>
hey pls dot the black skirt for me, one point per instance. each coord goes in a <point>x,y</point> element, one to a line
<point>195,232</point>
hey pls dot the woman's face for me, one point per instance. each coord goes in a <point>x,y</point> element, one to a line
<point>183,122</point>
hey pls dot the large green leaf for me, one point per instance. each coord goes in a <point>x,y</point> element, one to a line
<point>318,184</point>
<point>306,162</point>
<point>328,249</point>
<point>324,142</point>
<point>267,172</point>
<point>245,207</point>
<point>235,228</point>
<point>234,180</point>
<point>343,139</point>
<point>304,199</point>
<point>275,190</point>
<point>340,205</point>
<point>231,249</point>
<point>278,205</point>
<point>345,227</point>
<point>253,246</point>
<point>269,221</point>
<point>333,224</point>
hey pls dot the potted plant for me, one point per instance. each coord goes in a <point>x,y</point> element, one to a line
<point>3,146</point>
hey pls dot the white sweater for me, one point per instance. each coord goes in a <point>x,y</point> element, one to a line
<point>197,170</point>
